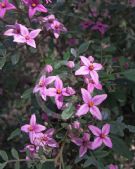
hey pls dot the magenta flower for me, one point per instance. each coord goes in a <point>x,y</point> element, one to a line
<point>27,37</point>
<point>34,6</point>
<point>5,6</point>
<point>89,68</point>
<point>59,92</point>
<point>90,104</point>
<point>86,24</point>
<point>111,166</point>
<point>48,21</point>
<point>14,30</point>
<point>45,139</point>
<point>42,84</point>
<point>84,143</point>
<point>101,136</point>
<point>33,127</point>
<point>99,26</point>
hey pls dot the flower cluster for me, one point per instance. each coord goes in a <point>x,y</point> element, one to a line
<point>39,136</point>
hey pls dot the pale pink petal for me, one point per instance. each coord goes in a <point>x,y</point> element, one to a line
<point>31,42</point>
<point>95,130</point>
<point>97,66</point>
<point>41,8</point>
<point>19,39</point>
<point>59,101</point>
<point>10,6</point>
<point>34,33</point>
<point>90,87</point>
<point>2,12</point>
<point>51,92</point>
<point>58,83</point>
<point>85,61</point>
<point>98,86</point>
<point>56,34</point>
<point>98,99</point>
<point>77,141</point>
<point>86,95</point>
<point>106,129</point>
<point>82,151</point>
<point>24,31</point>
<point>39,128</point>
<point>97,143</point>
<point>107,141</point>
<point>82,110</point>
<point>33,120</point>
<point>25,128</point>
<point>50,79</point>
<point>50,132</point>
<point>43,93</point>
<point>36,89</point>
<point>9,32</point>
<point>94,76</point>
<point>83,70</point>
<point>32,12</point>
<point>52,143</point>
<point>96,112</point>
<point>86,137</point>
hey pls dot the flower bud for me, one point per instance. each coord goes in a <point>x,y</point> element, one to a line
<point>48,68</point>
<point>70,64</point>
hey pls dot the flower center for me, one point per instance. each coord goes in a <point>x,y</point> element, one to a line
<point>91,104</point>
<point>3,5</point>
<point>27,37</point>
<point>102,136</point>
<point>56,26</point>
<point>33,5</point>
<point>30,128</point>
<point>41,83</point>
<point>91,67</point>
<point>59,91</point>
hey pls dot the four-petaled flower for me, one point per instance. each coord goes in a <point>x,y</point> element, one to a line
<point>89,68</point>
<point>34,5</point>
<point>14,30</point>
<point>101,136</point>
<point>84,143</point>
<point>90,104</point>
<point>26,36</point>
<point>111,166</point>
<point>99,26</point>
<point>42,84</point>
<point>5,6</point>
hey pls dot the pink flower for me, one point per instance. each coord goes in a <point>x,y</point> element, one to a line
<point>99,26</point>
<point>111,166</point>
<point>14,30</point>
<point>70,64</point>
<point>34,5</point>
<point>48,21</point>
<point>101,136</point>
<point>84,143</point>
<point>91,85</point>
<point>90,104</point>
<point>48,1</point>
<point>26,36</point>
<point>5,6</point>
<point>59,92</point>
<point>86,24</point>
<point>44,139</point>
<point>48,68</point>
<point>42,84</point>
<point>89,68</point>
<point>33,127</point>
<point>32,151</point>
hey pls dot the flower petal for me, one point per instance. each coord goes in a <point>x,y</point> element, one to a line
<point>106,129</point>
<point>97,66</point>
<point>58,83</point>
<point>85,61</point>
<point>39,128</point>
<point>98,99</point>
<point>41,8</point>
<point>94,76</point>
<point>107,141</point>
<point>51,92</point>
<point>31,42</point>
<point>34,33</point>
<point>77,141</point>
<point>25,128</point>
<point>82,151</point>
<point>96,112</point>
<point>82,110</point>
<point>95,130</point>
<point>33,120</point>
<point>59,101</point>
<point>97,143</point>
<point>83,70</point>
<point>50,79</point>
<point>85,95</point>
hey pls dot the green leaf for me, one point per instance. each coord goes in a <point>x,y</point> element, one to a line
<point>3,165</point>
<point>15,153</point>
<point>2,62</point>
<point>15,59</point>
<point>4,155</point>
<point>83,47</point>
<point>73,52</point>
<point>15,133</point>
<point>120,147</point>
<point>129,74</point>
<point>68,112</point>
<point>101,153</point>
<point>17,165</point>
<point>117,128</point>
<point>27,94</point>
<point>100,164</point>
<point>90,161</point>
<point>131,128</point>
<point>48,165</point>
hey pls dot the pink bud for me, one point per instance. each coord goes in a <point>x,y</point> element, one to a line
<point>70,64</point>
<point>48,68</point>
<point>70,91</point>
<point>76,124</point>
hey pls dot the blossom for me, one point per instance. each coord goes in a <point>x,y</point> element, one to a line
<point>48,1</point>
<point>86,24</point>
<point>34,5</point>
<point>91,85</point>
<point>99,26</point>
<point>111,166</point>
<point>48,68</point>
<point>90,104</point>
<point>5,6</point>
<point>14,30</point>
<point>70,64</point>
<point>48,21</point>
<point>42,84</point>
<point>84,143</point>
<point>33,127</point>
<point>89,68</point>
<point>59,92</point>
<point>32,151</point>
<point>44,139</point>
<point>26,36</point>
<point>101,136</point>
